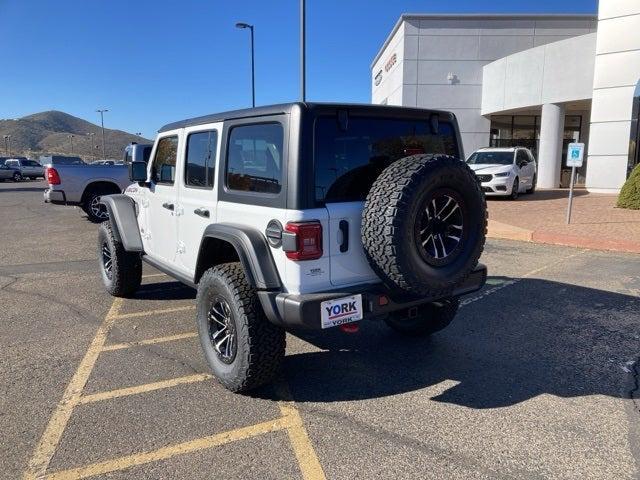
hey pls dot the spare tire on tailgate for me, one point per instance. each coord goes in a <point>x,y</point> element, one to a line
<point>424,224</point>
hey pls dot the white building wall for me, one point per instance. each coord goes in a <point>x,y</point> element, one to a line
<point>559,72</point>
<point>434,46</point>
<point>617,71</point>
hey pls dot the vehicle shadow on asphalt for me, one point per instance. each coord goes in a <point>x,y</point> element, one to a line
<point>534,337</point>
<point>171,290</point>
<point>22,189</point>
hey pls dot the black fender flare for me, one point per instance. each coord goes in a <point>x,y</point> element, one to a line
<point>122,215</point>
<point>252,249</point>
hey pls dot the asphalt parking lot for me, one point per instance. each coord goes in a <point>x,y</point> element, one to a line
<point>534,379</point>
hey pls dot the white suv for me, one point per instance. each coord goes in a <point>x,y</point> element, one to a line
<point>301,216</point>
<point>505,171</point>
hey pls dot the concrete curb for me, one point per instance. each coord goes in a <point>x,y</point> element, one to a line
<point>511,232</point>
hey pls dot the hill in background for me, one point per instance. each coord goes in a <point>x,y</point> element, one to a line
<point>48,133</point>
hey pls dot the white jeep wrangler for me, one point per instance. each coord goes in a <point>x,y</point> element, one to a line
<point>301,216</point>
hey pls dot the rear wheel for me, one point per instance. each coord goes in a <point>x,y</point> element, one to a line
<point>428,319</point>
<point>17,177</point>
<point>96,211</point>
<point>241,346</point>
<point>121,271</point>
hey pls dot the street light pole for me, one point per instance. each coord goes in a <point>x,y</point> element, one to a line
<point>101,112</point>
<point>6,144</point>
<point>71,140</point>
<point>253,72</point>
<point>303,59</point>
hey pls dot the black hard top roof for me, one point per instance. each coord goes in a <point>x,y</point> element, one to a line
<point>286,108</point>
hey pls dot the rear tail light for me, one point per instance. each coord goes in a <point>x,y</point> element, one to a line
<point>52,176</point>
<point>308,244</point>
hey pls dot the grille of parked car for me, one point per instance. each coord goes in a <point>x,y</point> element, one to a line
<point>485,178</point>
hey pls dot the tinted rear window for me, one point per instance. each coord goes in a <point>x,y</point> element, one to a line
<point>348,161</point>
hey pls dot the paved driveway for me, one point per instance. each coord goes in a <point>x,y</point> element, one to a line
<point>533,379</point>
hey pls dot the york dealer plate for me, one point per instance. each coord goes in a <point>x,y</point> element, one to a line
<point>340,311</point>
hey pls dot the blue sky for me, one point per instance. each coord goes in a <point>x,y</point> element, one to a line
<point>153,62</point>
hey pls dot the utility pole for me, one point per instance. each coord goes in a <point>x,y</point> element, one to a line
<point>71,140</point>
<point>91,135</point>
<point>303,60</point>
<point>6,144</point>
<point>101,112</point>
<point>253,72</point>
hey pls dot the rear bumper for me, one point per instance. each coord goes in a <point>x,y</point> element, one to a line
<point>303,311</point>
<point>57,197</point>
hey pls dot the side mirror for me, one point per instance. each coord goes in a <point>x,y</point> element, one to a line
<point>138,172</point>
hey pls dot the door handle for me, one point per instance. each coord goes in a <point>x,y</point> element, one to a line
<point>344,228</point>
<point>201,212</point>
<point>168,206</point>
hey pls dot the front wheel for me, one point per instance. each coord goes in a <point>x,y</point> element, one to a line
<point>121,271</point>
<point>534,183</point>
<point>241,346</point>
<point>515,190</point>
<point>429,318</point>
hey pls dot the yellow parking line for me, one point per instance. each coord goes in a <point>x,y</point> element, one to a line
<point>147,313</point>
<point>151,341</point>
<point>298,436</point>
<point>147,387</point>
<point>151,275</point>
<point>165,453</point>
<point>70,398</point>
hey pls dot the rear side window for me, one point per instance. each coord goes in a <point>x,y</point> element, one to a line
<point>163,170</point>
<point>254,158</point>
<point>348,160</point>
<point>201,159</point>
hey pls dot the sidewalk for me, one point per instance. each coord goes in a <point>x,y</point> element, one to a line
<point>540,218</point>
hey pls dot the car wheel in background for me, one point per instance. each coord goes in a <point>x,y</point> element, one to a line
<point>515,190</point>
<point>121,271</point>
<point>17,177</point>
<point>533,185</point>
<point>96,211</point>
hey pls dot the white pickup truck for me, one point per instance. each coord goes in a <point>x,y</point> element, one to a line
<point>82,185</point>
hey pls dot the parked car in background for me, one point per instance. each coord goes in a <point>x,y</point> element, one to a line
<point>106,162</point>
<point>9,173</point>
<point>54,160</point>
<point>505,171</point>
<point>27,168</point>
<point>83,185</point>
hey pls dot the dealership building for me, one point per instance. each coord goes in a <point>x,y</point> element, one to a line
<point>540,81</point>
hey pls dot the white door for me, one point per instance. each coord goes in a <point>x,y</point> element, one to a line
<point>162,226</point>
<point>197,191</point>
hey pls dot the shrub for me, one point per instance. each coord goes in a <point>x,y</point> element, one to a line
<point>630,193</point>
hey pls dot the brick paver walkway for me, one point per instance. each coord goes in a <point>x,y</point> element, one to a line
<point>540,217</point>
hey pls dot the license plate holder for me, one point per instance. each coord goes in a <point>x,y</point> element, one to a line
<point>340,311</point>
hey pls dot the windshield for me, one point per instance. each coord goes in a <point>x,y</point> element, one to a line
<point>491,158</point>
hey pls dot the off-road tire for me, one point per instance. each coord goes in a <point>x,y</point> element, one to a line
<point>125,275</point>
<point>390,217</point>
<point>431,318</point>
<point>260,345</point>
